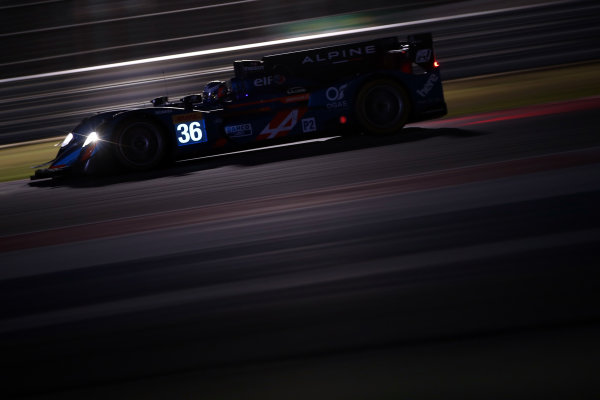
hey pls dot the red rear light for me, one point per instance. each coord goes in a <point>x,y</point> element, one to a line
<point>406,68</point>
<point>436,64</point>
<point>343,119</point>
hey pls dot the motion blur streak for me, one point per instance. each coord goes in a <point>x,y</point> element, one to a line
<point>223,291</point>
<point>129,83</point>
<point>34,3</point>
<point>163,13</point>
<point>276,42</point>
<point>274,204</point>
<point>44,108</point>
<point>482,237</point>
<point>518,113</point>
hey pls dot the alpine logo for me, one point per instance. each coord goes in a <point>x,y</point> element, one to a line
<point>339,56</point>
<point>281,124</point>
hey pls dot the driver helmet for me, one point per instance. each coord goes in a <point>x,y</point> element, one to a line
<point>215,90</point>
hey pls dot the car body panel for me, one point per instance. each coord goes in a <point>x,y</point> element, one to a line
<point>290,95</point>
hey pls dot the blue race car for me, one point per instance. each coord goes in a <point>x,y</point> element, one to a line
<point>374,87</point>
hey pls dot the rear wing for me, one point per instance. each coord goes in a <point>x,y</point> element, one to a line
<point>345,59</point>
<point>421,51</point>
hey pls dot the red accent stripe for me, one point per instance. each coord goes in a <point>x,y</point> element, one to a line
<point>220,142</point>
<point>87,153</point>
<point>518,113</point>
<point>285,100</point>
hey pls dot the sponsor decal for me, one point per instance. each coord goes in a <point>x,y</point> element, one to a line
<point>296,98</point>
<point>433,78</point>
<point>340,55</point>
<point>423,56</point>
<point>309,125</point>
<point>238,130</point>
<point>281,124</point>
<point>287,99</point>
<point>179,118</point>
<point>269,80</point>
<point>296,90</point>
<point>335,96</point>
<point>253,68</point>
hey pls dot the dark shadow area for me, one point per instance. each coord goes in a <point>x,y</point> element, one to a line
<point>261,155</point>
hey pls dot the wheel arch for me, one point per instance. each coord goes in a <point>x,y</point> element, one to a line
<point>147,114</point>
<point>164,128</point>
<point>122,120</point>
<point>381,76</point>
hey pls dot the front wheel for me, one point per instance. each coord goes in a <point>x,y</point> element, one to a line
<point>139,144</point>
<point>382,107</point>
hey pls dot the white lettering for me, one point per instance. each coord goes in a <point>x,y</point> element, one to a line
<point>340,54</point>
<point>428,85</point>
<point>190,132</point>
<point>268,80</point>
<point>238,130</point>
<point>195,131</point>
<point>337,104</point>
<point>264,81</point>
<point>184,136</point>
<point>335,94</point>
<point>309,125</point>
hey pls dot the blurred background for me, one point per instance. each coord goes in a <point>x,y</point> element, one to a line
<point>48,36</point>
<point>56,38</point>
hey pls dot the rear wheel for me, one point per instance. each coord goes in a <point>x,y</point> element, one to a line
<point>382,107</point>
<point>139,144</point>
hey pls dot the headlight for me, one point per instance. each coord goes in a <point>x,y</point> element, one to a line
<point>91,138</point>
<point>67,140</point>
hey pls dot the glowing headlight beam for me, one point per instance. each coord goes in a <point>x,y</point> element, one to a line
<point>91,138</point>
<point>67,140</point>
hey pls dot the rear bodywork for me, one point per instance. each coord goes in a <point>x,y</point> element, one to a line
<point>283,96</point>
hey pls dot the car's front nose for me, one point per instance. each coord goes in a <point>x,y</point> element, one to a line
<point>75,151</point>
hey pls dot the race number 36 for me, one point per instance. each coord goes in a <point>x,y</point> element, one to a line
<point>190,132</point>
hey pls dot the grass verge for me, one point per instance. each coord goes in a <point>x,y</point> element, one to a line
<point>463,96</point>
<point>522,88</point>
<point>17,162</point>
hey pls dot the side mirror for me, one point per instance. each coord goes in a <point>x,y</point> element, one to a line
<point>189,101</point>
<point>159,101</point>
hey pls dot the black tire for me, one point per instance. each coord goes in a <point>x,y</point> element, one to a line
<point>382,107</point>
<point>139,144</point>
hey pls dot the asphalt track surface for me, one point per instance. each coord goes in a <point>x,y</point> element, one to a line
<point>457,259</point>
<point>470,37</point>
